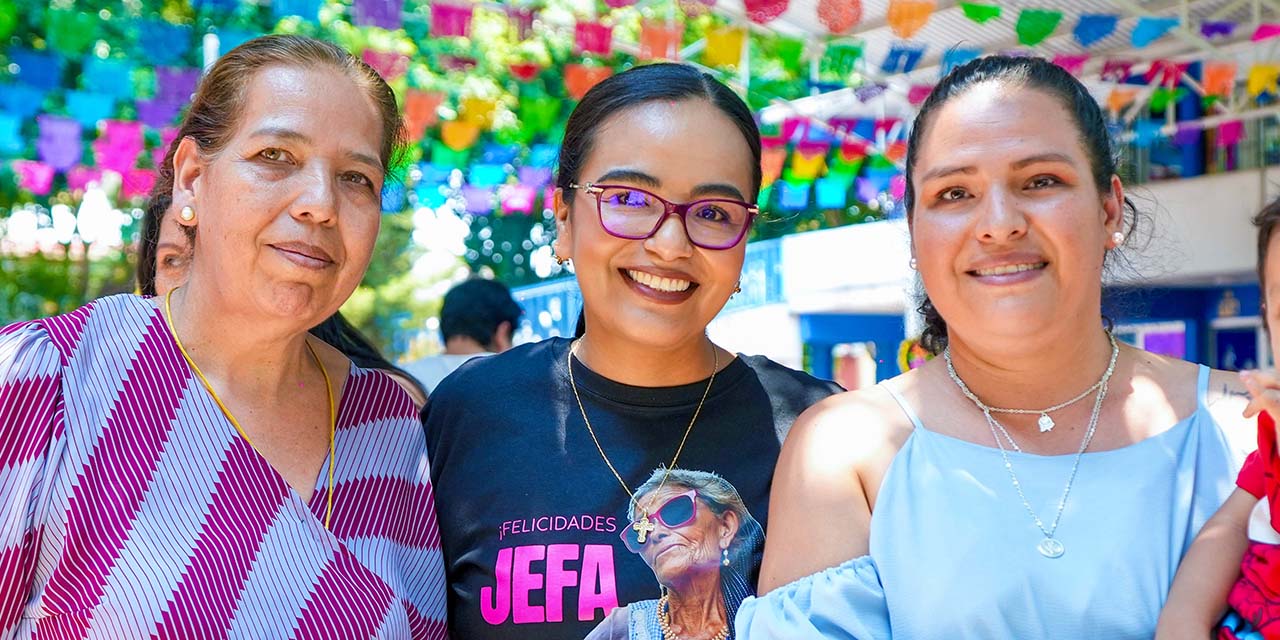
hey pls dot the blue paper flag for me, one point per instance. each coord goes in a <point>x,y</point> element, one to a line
<point>88,108</point>
<point>957,56</point>
<point>1149,29</point>
<point>112,76</point>
<point>536,177</point>
<point>478,200</point>
<point>218,5</point>
<point>902,58</point>
<point>306,9</point>
<point>393,196</point>
<point>229,39</point>
<point>499,153</point>
<point>832,193</point>
<point>865,128</point>
<point>164,43</point>
<point>40,69</point>
<point>22,100</point>
<point>487,175</point>
<point>544,155</point>
<point>1094,27</point>
<point>434,174</point>
<point>430,195</point>
<point>1145,132</point>
<point>793,196</point>
<point>11,141</point>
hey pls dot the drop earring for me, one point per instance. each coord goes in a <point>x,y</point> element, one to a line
<point>724,553</point>
<point>187,214</point>
<point>737,288</point>
<point>555,256</point>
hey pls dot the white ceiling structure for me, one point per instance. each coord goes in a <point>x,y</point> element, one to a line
<point>948,27</point>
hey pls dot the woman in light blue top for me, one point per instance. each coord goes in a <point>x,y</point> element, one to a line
<point>1037,480</point>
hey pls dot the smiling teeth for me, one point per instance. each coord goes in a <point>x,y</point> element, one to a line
<point>1010,268</point>
<point>657,282</point>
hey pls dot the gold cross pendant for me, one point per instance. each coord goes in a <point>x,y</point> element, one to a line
<point>643,526</point>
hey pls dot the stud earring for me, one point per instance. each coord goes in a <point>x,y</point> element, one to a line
<point>187,214</point>
<point>724,553</point>
<point>737,288</point>
<point>1117,238</point>
<point>912,263</point>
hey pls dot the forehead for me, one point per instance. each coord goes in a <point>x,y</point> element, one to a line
<point>319,102</point>
<point>996,122</point>
<point>683,143</point>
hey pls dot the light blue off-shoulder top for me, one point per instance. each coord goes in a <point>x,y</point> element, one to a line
<point>953,549</point>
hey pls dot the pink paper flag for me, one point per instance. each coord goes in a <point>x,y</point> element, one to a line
<point>78,178</point>
<point>1230,133</point>
<point>1266,31</point>
<point>167,136</point>
<point>593,37</point>
<point>36,177</point>
<point>1073,64</point>
<point>917,94</point>
<point>137,182</point>
<point>389,64</point>
<point>450,20</point>
<point>1116,70</point>
<point>517,198</point>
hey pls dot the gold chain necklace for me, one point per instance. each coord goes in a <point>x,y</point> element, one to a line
<point>328,387</point>
<point>644,525</point>
<point>664,621</point>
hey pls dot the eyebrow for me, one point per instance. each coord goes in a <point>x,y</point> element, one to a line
<point>942,172</point>
<point>631,175</point>
<point>302,138</point>
<point>171,245</point>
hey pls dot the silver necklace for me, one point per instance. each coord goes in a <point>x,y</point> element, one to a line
<point>1049,546</point>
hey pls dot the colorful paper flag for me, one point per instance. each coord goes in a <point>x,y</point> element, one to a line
<point>164,43</point>
<point>420,112</point>
<point>724,46</point>
<point>459,135</point>
<point>59,144</point>
<point>579,78</point>
<point>389,64</point>
<point>917,94</point>
<point>793,196</point>
<point>517,198</point>
<point>980,12</point>
<point>1117,70</point>
<point>1119,98</point>
<point>902,58</point>
<point>39,69</point>
<point>112,76</point>
<point>88,108</point>
<point>1229,133</point>
<point>377,13</point>
<point>71,31</point>
<point>771,163</point>
<point>839,16</point>
<point>832,192</point>
<point>593,38</point>
<point>137,183</point>
<point>1262,79</point>
<point>660,40</point>
<point>11,141</point>
<point>1073,64</point>
<point>1146,132</point>
<point>79,178</point>
<point>534,177</point>
<point>1034,25</point>
<point>36,177</point>
<point>1266,31</point>
<point>1150,28</point>
<point>449,20</point>
<point>1218,77</point>
<point>1217,29</point>
<point>1092,28</point>
<point>478,200</point>
<point>306,9</point>
<point>906,17</point>
<point>957,56</point>
<point>1166,72</point>
<point>764,11</point>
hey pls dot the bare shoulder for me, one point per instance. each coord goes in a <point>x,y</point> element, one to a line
<point>1224,397</point>
<point>847,430</point>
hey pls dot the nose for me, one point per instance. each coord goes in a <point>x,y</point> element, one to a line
<point>1000,217</point>
<point>317,199</point>
<point>670,242</point>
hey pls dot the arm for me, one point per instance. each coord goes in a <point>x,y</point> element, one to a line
<point>30,410</point>
<point>819,508</point>
<point>1198,597</point>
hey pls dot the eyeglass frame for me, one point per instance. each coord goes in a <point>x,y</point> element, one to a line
<point>692,494</point>
<point>680,209</point>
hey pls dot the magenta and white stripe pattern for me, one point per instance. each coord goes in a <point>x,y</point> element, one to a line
<point>131,508</point>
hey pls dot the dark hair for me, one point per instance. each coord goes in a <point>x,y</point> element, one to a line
<point>1266,222</point>
<point>474,308</point>
<point>215,111</point>
<point>1029,73</point>
<point>640,85</point>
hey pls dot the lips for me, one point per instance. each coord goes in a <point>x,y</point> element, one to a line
<point>1009,269</point>
<point>663,287</point>
<point>303,254</point>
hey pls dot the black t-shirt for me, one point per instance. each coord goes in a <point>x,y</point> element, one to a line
<point>531,517</point>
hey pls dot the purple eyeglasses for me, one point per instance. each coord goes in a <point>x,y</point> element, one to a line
<point>635,214</point>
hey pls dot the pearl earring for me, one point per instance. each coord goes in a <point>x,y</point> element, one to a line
<point>187,214</point>
<point>912,264</point>
<point>725,554</point>
<point>1117,238</point>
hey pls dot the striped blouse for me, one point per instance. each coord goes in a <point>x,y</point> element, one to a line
<point>131,508</point>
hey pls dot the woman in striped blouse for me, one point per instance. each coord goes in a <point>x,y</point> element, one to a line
<point>195,465</point>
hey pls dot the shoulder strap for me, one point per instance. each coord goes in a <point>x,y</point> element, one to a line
<point>906,408</point>
<point>1202,386</point>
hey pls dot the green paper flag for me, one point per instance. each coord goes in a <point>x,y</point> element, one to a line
<point>979,12</point>
<point>789,52</point>
<point>1034,25</point>
<point>71,32</point>
<point>539,114</point>
<point>446,157</point>
<point>839,61</point>
<point>1161,97</point>
<point>8,18</point>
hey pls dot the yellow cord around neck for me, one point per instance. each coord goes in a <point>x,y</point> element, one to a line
<point>328,387</point>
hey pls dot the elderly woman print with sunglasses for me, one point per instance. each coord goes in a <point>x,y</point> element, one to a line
<point>535,449</point>
<point>701,537</point>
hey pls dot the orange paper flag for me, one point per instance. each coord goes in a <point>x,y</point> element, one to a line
<point>1120,98</point>
<point>771,162</point>
<point>459,134</point>
<point>660,41</point>
<point>906,17</point>
<point>578,79</point>
<point>1219,77</point>
<point>420,112</point>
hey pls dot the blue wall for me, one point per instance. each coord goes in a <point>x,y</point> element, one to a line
<point>1196,306</point>
<point>821,332</point>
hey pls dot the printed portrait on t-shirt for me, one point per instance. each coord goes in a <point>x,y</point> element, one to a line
<point>692,529</point>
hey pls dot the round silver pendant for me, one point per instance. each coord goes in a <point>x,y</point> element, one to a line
<point>1050,548</point>
<point>1045,423</point>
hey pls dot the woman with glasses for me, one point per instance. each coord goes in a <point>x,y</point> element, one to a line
<point>534,450</point>
<point>700,554</point>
